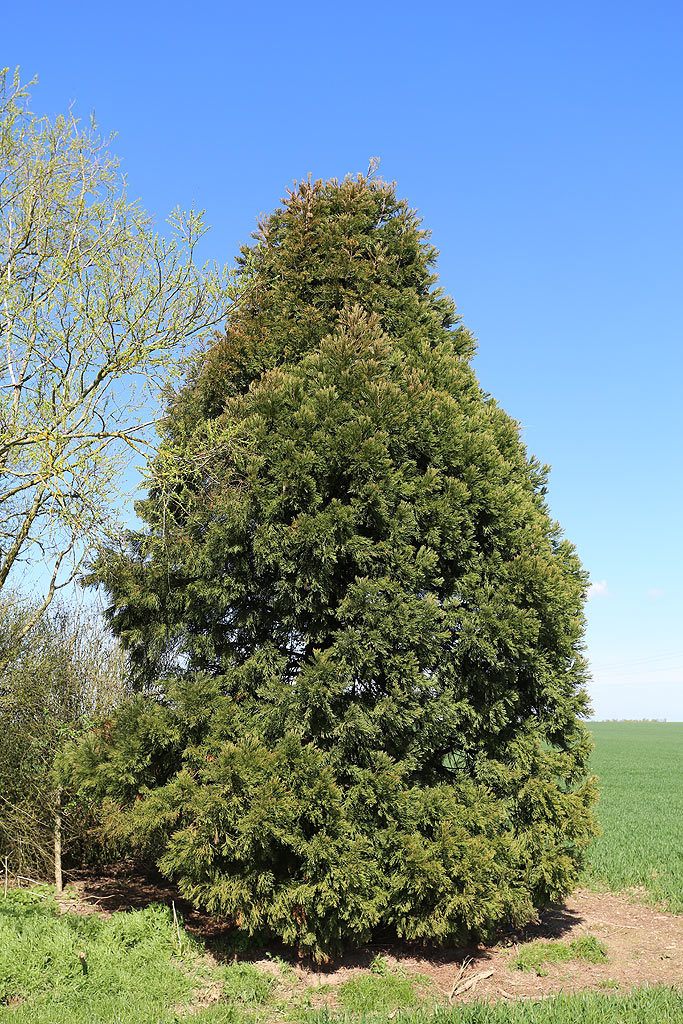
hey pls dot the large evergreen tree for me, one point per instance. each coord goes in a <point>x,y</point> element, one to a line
<point>357,630</point>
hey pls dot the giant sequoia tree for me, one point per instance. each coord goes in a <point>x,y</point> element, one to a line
<point>356,628</point>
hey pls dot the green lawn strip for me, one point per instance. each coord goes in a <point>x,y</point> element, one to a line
<point>642,1006</point>
<point>533,956</point>
<point>640,765</point>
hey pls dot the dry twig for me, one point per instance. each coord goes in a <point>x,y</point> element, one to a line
<point>467,985</point>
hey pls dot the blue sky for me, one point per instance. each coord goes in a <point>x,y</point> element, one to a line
<point>542,145</point>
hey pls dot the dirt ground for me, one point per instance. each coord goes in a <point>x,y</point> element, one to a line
<point>644,945</point>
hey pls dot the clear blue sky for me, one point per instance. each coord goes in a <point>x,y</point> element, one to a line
<point>541,143</point>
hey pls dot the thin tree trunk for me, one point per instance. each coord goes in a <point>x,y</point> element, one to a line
<point>58,839</point>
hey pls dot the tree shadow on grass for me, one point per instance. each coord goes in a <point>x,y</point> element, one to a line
<point>127,887</point>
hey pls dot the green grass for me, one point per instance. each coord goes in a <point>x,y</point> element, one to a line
<point>127,968</point>
<point>134,970</point>
<point>382,990</point>
<point>644,1006</point>
<point>640,765</point>
<point>370,993</point>
<point>533,956</point>
<point>130,968</point>
<point>244,984</point>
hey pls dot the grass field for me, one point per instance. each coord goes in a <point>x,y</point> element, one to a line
<point>640,765</point>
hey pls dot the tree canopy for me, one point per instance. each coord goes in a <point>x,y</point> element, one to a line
<point>357,630</point>
<point>95,308</point>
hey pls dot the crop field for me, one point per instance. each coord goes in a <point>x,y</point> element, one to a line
<point>640,765</point>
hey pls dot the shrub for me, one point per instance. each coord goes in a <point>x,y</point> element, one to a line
<point>65,671</point>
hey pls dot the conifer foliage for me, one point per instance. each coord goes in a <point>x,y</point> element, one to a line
<point>357,630</point>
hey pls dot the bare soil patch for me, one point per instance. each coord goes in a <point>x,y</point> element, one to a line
<point>123,888</point>
<point>644,946</point>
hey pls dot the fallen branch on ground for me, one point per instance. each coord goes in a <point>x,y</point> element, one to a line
<point>466,985</point>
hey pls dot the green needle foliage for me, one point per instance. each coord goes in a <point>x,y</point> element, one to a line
<point>357,630</point>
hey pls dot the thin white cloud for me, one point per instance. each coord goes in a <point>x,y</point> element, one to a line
<point>663,675</point>
<point>599,589</point>
<point>639,667</point>
<point>654,593</point>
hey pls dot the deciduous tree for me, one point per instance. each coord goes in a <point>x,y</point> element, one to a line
<point>95,307</point>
